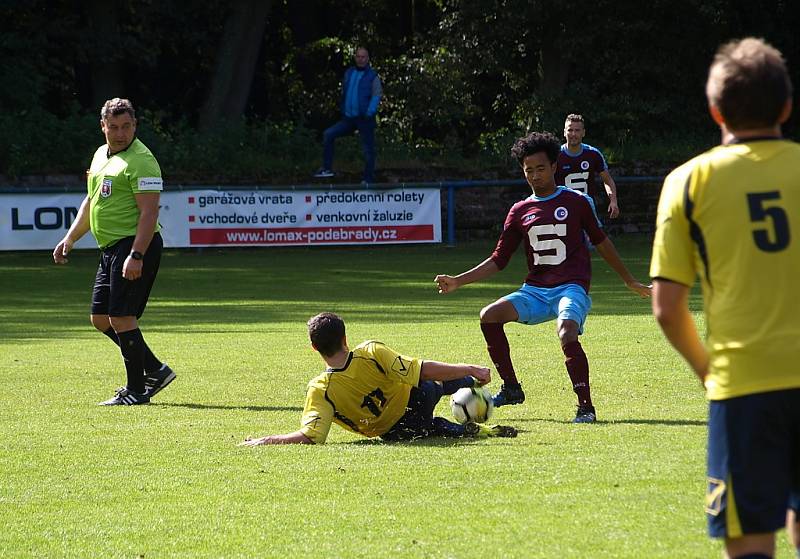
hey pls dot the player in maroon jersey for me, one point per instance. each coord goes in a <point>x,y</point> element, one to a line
<point>579,164</point>
<point>551,225</point>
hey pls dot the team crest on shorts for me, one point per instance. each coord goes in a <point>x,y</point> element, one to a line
<point>105,188</point>
<point>715,496</point>
<point>561,213</point>
<point>584,165</point>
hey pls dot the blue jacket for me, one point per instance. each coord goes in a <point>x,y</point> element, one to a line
<point>361,92</point>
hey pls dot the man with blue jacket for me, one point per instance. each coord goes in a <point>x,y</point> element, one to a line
<point>361,94</point>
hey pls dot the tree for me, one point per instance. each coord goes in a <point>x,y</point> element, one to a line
<point>106,66</point>
<point>238,54</point>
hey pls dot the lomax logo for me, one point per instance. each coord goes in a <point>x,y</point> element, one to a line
<point>151,183</point>
<point>45,218</point>
<point>584,165</point>
<point>105,188</point>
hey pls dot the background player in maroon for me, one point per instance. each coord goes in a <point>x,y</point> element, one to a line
<point>551,225</point>
<point>580,164</point>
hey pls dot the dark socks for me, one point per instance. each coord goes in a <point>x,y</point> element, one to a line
<point>444,428</point>
<point>450,386</point>
<point>151,362</point>
<point>131,344</point>
<point>499,352</point>
<point>112,335</point>
<point>578,369</point>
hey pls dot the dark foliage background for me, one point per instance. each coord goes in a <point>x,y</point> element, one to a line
<point>240,91</point>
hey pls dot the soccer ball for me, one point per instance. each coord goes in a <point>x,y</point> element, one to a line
<point>472,404</point>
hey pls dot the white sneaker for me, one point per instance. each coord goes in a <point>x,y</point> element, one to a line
<point>324,174</point>
<point>125,397</point>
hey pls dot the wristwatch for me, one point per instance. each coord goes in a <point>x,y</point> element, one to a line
<point>136,255</point>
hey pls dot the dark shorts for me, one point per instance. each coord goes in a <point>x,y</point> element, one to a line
<point>418,419</point>
<point>116,296</point>
<point>753,462</point>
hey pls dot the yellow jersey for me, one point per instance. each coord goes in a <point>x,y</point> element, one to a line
<point>732,216</point>
<point>113,183</point>
<point>367,396</point>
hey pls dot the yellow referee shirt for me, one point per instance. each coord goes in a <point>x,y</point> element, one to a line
<point>367,396</point>
<point>732,216</point>
<point>113,183</point>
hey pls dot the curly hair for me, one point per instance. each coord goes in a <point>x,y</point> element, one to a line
<point>534,143</point>
<point>326,331</point>
<point>116,107</point>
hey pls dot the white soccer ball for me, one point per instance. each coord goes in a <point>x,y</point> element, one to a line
<point>472,404</point>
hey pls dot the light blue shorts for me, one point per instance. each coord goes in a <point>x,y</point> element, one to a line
<point>540,304</point>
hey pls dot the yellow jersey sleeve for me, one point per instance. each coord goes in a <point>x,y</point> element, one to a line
<point>143,171</point>
<point>397,367</point>
<point>317,413</point>
<point>673,250</point>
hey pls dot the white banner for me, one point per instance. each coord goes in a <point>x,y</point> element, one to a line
<point>39,221</point>
<point>195,218</point>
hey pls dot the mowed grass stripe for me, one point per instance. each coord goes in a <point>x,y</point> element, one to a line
<point>166,480</point>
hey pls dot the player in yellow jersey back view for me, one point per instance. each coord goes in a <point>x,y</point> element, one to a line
<point>732,217</point>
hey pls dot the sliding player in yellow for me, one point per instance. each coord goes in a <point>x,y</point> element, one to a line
<point>376,392</point>
<point>732,217</point>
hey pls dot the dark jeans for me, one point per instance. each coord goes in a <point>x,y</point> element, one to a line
<point>345,127</point>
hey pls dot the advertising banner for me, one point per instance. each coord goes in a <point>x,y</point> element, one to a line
<point>197,218</point>
<point>39,221</point>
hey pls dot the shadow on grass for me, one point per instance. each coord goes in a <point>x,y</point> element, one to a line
<point>667,422</point>
<point>221,407</point>
<point>245,289</point>
<point>429,441</point>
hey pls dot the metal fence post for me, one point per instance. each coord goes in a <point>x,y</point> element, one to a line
<point>451,215</point>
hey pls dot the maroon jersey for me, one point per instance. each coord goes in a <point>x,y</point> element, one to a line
<point>579,172</point>
<point>552,231</point>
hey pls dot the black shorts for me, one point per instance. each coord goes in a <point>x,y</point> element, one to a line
<point>753,462</point>
<point>114,295</point>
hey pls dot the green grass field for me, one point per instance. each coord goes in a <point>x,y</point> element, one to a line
<point>167,480</point>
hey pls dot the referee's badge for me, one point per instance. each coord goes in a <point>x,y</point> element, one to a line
<point>105,188</point>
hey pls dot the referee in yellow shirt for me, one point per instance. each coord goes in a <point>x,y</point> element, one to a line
<point>732,217</point>
<point>121,210</point>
